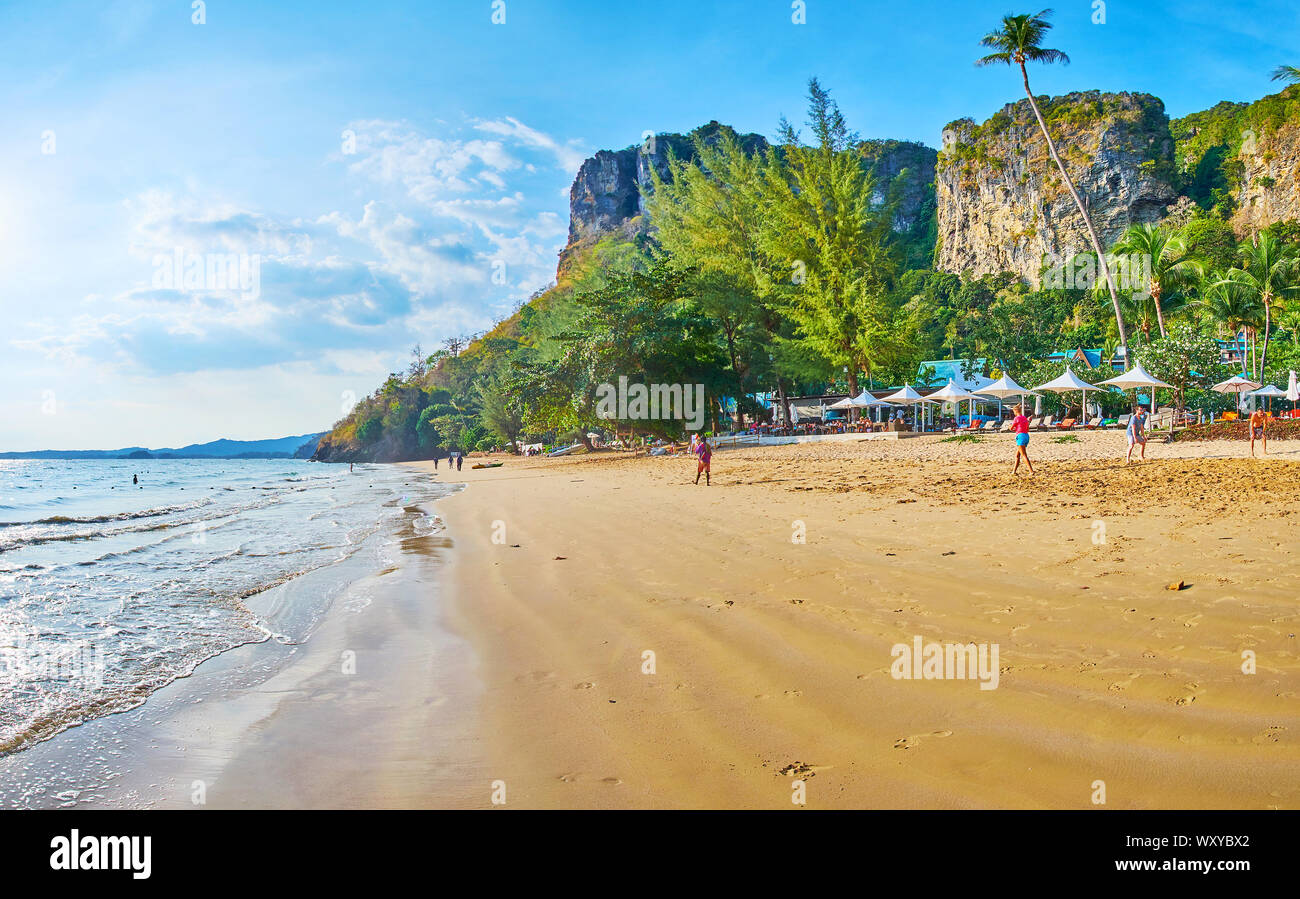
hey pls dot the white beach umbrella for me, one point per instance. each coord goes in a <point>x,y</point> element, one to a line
<point>1237,384</point>
<point>1005,387</point>
<point>1292,388</point>
<point>1068,383</point>
<point>847,403</point>
<point>953,393</point>
<point>906,397</point>
<point>1135,379</point>
<point>1268,391</point>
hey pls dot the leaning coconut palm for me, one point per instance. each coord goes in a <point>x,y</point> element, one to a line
<point>1018,42</point>
<point>1289,74</point>
<point>1172,270</point>
<point>1270,272</point>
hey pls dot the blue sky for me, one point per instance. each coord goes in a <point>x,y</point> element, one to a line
<point>231,137</point>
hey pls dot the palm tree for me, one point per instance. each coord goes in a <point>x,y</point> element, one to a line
<point>1235,310</point>
<point>1289,74</point>
<point>1270,271</point>
<point>1019,41</point>
<point>1173,270</point>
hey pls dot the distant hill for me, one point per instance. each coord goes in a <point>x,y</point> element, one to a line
<point>300,447</point>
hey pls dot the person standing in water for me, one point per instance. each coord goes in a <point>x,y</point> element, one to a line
<point>135,479</point>
<point>705,452</point>
<point>1020,427</point>
<point>1258,421</point>
<point>1137,435</point>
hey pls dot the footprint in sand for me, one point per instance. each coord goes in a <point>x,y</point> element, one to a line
<point>915,740</point>
<point>612,781</point>
<point>799,769</point>
<point>1272,734</point>
<point>541,678</point>
<point>1189,697</point>
<point>585,685</point>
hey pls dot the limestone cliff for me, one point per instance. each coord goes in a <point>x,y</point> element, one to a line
<point>1244,159</point>
<point>607,195</point>
<point>1001,203</point>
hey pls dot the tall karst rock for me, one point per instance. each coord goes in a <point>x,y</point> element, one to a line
<point>1001,203</point>
<point>1244,159</point>
<point>607,197</point>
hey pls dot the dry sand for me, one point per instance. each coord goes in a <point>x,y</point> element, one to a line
<point>774,656</point>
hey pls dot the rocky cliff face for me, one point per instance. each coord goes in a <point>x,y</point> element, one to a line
<point>1270,187</point>
<point>1001,203</point>
<point>1243,159</point>
<point>607,196</point>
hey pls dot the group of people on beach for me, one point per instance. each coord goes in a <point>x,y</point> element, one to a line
<point>1135,433</point>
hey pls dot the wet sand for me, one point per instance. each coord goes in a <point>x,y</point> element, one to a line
<point>772,657</point>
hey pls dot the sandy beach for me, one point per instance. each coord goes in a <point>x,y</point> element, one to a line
<point>772,657</point>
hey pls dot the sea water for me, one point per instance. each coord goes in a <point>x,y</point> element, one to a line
<point>110,590</point>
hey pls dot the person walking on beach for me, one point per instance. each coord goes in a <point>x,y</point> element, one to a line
<point>1258,420</point>
<point>460,459</point>
<point>705,453</point>
<point>1137,435</point>
<point>1020,427</point>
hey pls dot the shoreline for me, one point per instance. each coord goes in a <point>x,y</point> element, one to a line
<point>277,725</point>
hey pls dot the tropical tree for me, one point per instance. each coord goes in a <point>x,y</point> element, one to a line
<point>1020,41</point>
<point>1184,358</point>
<point>820,219</point>
<point>1289,74</point>
<point>1229,307</point>
<point>1270,272</point>
<point>1172,270</point>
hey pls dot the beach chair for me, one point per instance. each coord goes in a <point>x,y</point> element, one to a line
<point>1123,421</point>
<point>989,426</point>
<point>1006,426</point>
<point>1066,425</point>
<point>1045,424</point>
<point>973,426</point>
<point>1036,422</point>
<point>1093,424</point>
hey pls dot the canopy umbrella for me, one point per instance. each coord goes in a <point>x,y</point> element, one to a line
<point>1237,384</point>
<point>1136,378</point>
<point>953,393</point>
<point>1068,383</point>
<point>906,397</point>
<point>847,403</point>
<point>1293,390</point>
<point>1005,387</point>
<point>1268,391</point>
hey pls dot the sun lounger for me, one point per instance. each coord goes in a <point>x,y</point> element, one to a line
<point>1123,422</point>
<point>1006,426</point>
<point>1046,423</point>
<point>1036,422</point>
<point>990,426</point>
<point>1065,425</point>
